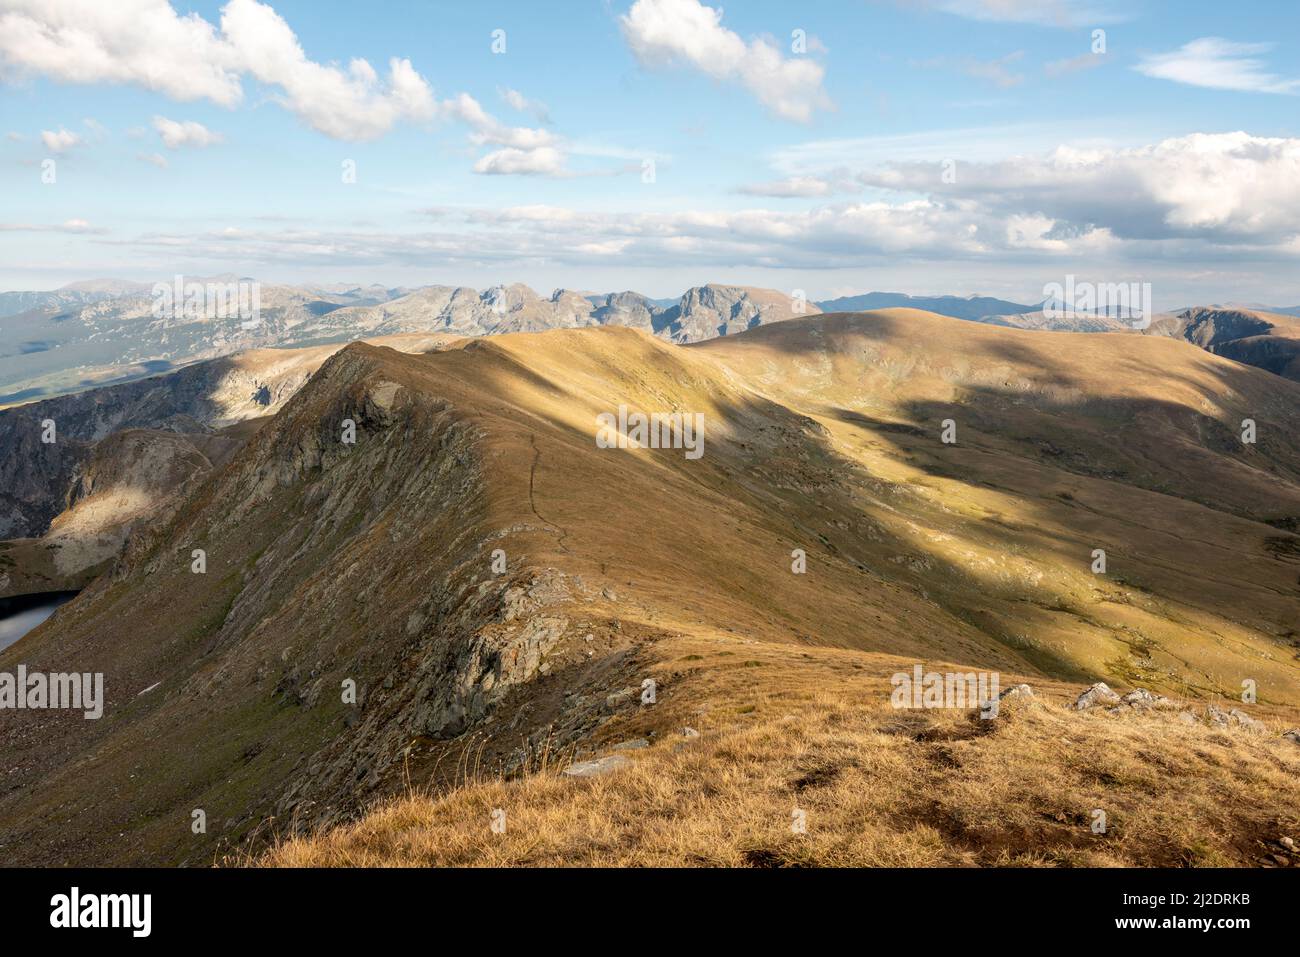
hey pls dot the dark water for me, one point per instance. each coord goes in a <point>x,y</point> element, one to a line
<point>21,614</point>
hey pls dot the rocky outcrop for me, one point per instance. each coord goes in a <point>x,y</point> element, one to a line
<point>347,608</point>
<point>1098,694</point>
<point>1233,718</point>
<point>1266,340</point>
<point>706,312</point>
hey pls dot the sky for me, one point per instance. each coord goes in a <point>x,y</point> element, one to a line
<point>925,146</point>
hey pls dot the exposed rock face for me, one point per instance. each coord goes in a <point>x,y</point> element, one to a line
<point>706,312</point>
<point>1267,340</point>
<point>36,482</point>
<point>627,309</point>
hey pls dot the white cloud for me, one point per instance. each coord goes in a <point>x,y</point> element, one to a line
<point>525,150</point>
<point>346,104</point>
<point>176,134</point>
<point>141,42</point>
<point>147,43</point>
<point>662,32</point>
<point>1212,199</point>
<point>1229,188</point>
<point>540,161</point>
<point>61,141</point>
<point>155,159</point>
<point>1218,64</point>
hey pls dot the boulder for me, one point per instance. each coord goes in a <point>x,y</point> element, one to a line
<point>1233,718</point>
<point>591,769</point>
<point>1098,694</point>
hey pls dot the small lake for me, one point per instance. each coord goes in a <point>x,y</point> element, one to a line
<point>21,614</point>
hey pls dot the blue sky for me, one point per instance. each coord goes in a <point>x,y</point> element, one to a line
<point>948,146</point>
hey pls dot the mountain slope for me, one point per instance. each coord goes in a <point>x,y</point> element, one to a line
<point>1269,341</point>
<point>36,479</point>
<point>373,562</point>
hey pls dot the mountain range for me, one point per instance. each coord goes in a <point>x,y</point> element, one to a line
<point>498,588</point>
<point>101,332</point>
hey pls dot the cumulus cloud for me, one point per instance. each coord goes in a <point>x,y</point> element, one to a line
<point>349,104</point>
<point>1225,188</point>
<point>526,151</point>
<point>60,141</point>
<point>153,159</point>
<point>141,42</point>
<point>664,32</point>
<point>1220,65</point>
<point>147,43</point>
<point>176,134</point>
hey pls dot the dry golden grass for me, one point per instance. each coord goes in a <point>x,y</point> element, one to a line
<point>879,786</point>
